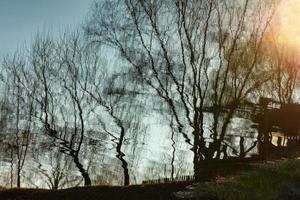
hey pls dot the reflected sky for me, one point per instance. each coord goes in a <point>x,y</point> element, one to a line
<point>21,19</point>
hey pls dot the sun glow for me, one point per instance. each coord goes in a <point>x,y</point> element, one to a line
<point>287,24</point>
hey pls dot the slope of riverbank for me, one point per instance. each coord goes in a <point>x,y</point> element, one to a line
<point>278,180</point>
<point>134,192</point>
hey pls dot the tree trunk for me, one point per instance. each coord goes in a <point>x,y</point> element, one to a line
<point>125,169</point>
<point>199,148</point>
<point>84,174</point>
<point>19,178</point>
<point>224,129</point>
<point>197,172</point>
<point>197,156</point>
<point>173,156</point>
<point>121,155</point>
<point>11,167</point>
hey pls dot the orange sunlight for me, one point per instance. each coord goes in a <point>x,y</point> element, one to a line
<point>286,25</point>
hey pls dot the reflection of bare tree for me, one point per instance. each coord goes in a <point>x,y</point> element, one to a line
<point>66,95</point>
<point>172,49</point>
<point>173,150</point>
<point>62,78</point>
<point>116,97</point>
<point>23,109</point>
<point>194,62</point>
<point>283,63</point>
<point>56,171</point>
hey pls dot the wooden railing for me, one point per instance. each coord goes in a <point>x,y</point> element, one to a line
<point>170,180</point>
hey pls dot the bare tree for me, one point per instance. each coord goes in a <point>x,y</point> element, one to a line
<point>51,66</point>
<point>110,93</point>
<point>182,51</point>
<point>22,110</point>
<point>58,176</point>
<point>283,64</point>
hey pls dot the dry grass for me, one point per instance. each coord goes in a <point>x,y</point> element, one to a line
<point>267,182</point>
<point>135,192</point>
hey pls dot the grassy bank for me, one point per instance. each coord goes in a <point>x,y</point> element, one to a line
<point>279,180</point>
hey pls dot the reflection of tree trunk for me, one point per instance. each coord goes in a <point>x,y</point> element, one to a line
<point>199,148</point>
<point>197,156</point>
<point>11,166</point>
<point>19,178</point>
<point>264,139</point>
<point>55,186</point>
<point>18,143</point>
<point>215,123</point>
<point>173,155</point>
<point>120,156</point>
<point>224,129</point>
<point>242,148</point>
<point>56,179</point>
<point>85,175</point>
<point>173,148</point>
